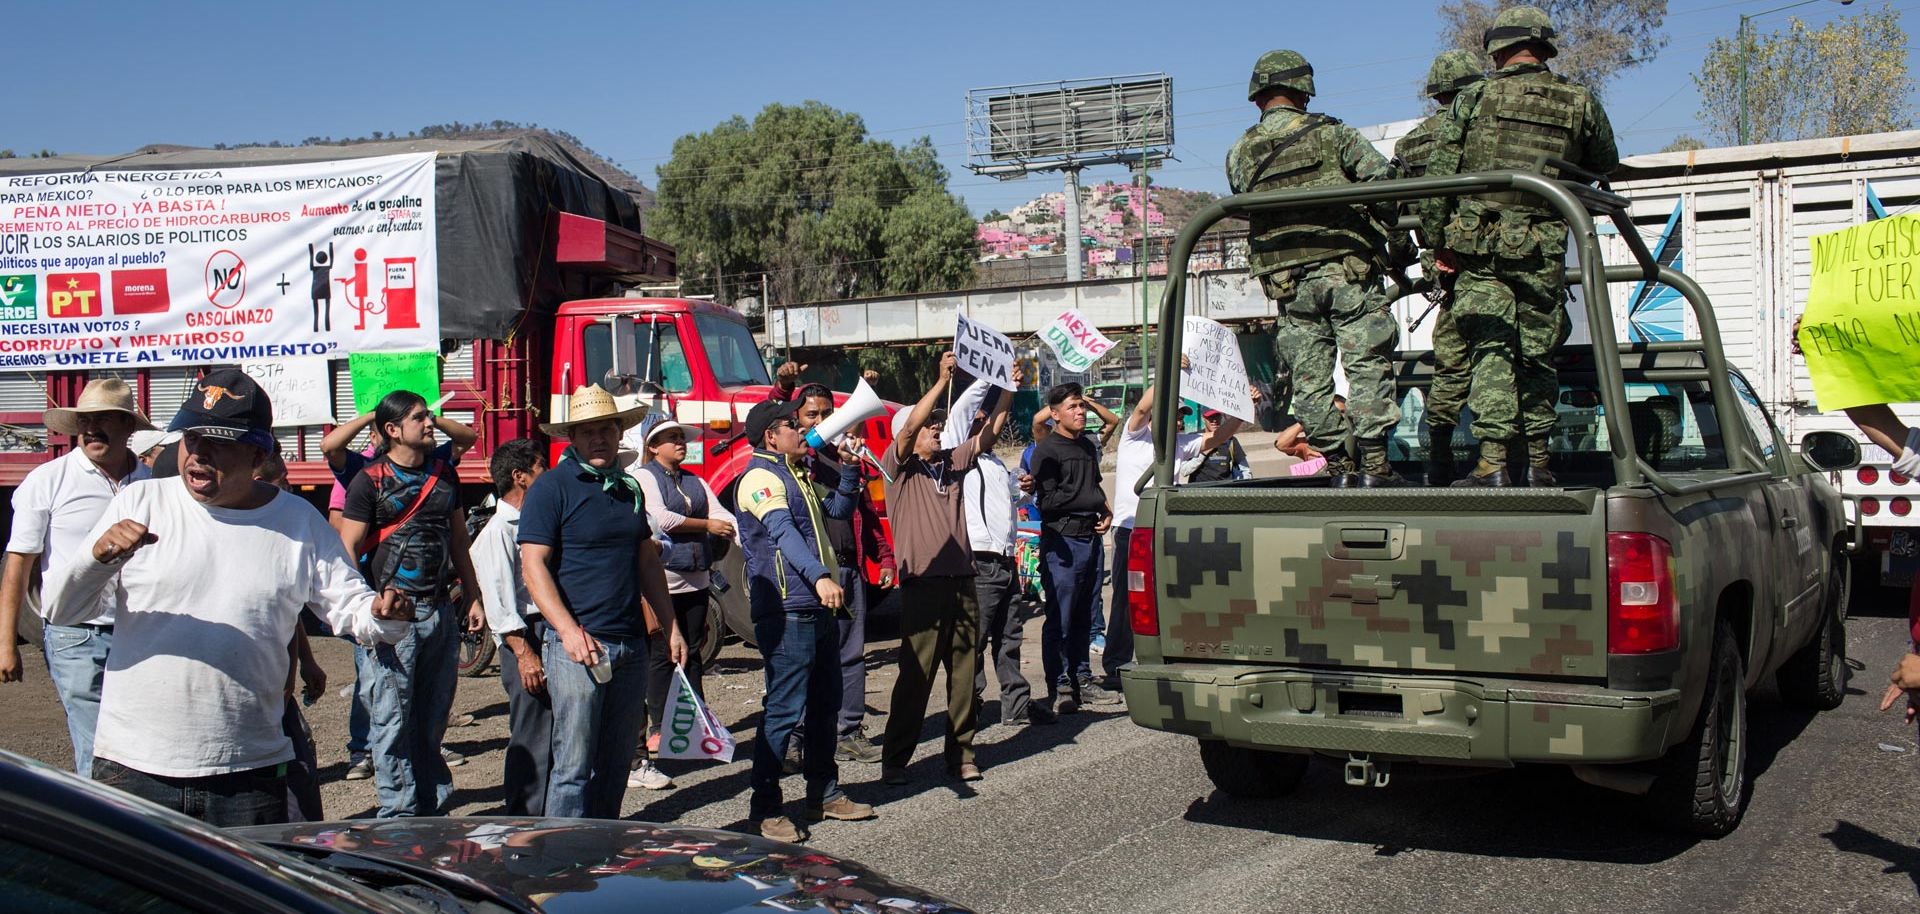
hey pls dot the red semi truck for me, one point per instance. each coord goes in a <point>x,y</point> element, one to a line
<point>537,255</point>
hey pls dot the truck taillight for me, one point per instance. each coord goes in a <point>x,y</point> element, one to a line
<point>1869,506</point>
<point>1141,604</point>
<point>1867,476</point>
<point>1642,615</point>
<point>1900,506</point>
<point>1894,477</point>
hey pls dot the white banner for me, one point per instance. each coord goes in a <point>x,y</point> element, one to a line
<point>1075,341</point>
<point>299,389</point>
<point>983,352</point>
<point>1216,377</point>
<point>135,269</point>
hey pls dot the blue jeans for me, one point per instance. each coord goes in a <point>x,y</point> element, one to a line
<point>1068,574</point>
<point>408,688</point>
<point>359,725</point>
<point>1119,650</point>
<point>596,726</point>
<point>803,680</point>
<point>1098,627</point>
<point>76,662</point>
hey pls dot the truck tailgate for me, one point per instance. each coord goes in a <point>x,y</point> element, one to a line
<point>1506,582</point>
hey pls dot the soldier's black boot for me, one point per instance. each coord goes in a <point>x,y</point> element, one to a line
<point>1539,474</point>
<point>1441,470</point>
<point>1375,472</point>
<point>1492,471</point>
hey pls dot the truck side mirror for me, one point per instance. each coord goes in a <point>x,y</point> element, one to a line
<point>1830,451</point>
<point>626,359</point>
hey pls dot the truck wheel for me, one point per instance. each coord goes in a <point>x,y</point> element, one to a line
<point>1251,773</point>
<point>709,649</point>
<point>1815,677</point>
<point>1701,787</point>
<point>476,653</point>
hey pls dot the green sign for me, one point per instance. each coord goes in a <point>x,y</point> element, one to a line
<point>376,374</point>
<point>17,295</point>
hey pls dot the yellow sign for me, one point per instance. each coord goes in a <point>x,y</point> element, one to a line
<point>1861,330</point>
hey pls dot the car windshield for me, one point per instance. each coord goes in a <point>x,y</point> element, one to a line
<point>441,891</point>
<point>731,354</point>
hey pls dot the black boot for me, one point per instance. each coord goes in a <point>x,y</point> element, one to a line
<point>1376,472</point>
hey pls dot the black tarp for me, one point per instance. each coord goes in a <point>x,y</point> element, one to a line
<point>495,200</point>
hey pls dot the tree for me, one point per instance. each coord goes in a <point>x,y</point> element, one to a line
<point>1685,142</point>
<point>802,196</point>
<point>1848,77</point>
<point>1597,39</point>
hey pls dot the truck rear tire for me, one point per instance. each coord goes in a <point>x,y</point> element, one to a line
<point>1251,773</point>
<point>1815,677</point>
<point>709,649</point>
<point>1701,784</point>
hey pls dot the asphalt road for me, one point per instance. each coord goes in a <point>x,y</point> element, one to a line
<point>1095,814</point>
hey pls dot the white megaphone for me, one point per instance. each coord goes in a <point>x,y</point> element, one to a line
<point>861,405</point>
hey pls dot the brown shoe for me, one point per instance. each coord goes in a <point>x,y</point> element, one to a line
<point>967,771</point>
<point>781,828</point>
<point>841,807</point>
<point>892,775</point>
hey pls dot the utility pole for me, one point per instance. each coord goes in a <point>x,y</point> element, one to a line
<point>1146,204</point>
<point>1071,237</point>
<point>1745,37</point>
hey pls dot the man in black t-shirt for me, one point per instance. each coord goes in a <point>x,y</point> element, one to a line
<point>1073,517</point>
<point>403,520</point>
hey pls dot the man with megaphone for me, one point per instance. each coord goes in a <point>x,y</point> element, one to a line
<point>853,540</point>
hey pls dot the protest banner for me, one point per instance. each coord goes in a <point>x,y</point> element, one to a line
<point>1860,332</point>
<point>1075,341</point>
<point>299,389</point>
<point>983,352</point>
<point>1217,376</point>
<point>376,374</point>
<point>692,730</point>
<point>137,269</point>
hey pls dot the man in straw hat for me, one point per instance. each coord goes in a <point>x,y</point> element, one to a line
<point>53,509</point>
<point>216,567</point>
<point>591,568</point>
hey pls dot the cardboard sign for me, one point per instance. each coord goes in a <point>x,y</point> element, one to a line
<point>984,352</point>
<point>1075,341</point>
<point>376,374</point>
<point>1861,330</point>
<point>194,266</point>
<point>299,389</point>
<point>1217,376</point>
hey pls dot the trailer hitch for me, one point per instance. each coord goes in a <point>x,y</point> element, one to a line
<point>1362,771</point>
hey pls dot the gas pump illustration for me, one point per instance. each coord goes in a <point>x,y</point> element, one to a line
<point>354,289</point>
<point>397,296</point>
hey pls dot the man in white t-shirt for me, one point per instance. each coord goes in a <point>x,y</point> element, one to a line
<point>53,509</point>
<point>211,569</point>
<point>1134,460</point>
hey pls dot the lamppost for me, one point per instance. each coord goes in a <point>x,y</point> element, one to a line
<point>1745,37</point>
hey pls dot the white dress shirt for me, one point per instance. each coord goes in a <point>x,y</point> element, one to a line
<point>989,489</point>
<point>53,509</point>
<point>496,562</point>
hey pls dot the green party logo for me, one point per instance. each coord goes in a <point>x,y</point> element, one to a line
<point>18,294</point>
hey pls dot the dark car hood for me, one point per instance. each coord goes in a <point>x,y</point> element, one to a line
<point>586,865</point>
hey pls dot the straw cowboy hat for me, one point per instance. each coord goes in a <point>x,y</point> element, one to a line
<point>106,395</point>
<point>593,404</point>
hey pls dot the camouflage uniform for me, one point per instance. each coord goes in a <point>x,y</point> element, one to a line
<point>1452,373</point>
<point>1510,248</point>
<point>1321,266</point>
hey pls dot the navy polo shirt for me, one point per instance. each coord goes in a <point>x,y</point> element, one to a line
<point>596,537</point>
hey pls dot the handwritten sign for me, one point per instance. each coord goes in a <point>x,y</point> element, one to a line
<point>983,352</point>
<point>1861,329</point>
<point>299,389</point>
<point>1075,341</point>
<point>376,374</point>
<point>1216,377</point>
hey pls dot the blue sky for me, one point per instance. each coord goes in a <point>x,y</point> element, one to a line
<point>629,78</point>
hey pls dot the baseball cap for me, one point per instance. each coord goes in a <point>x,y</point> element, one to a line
<point>1211,414</point>
<point>900,418</point>
<point>147,439</point>
<point>765,414</point>
<point>226,403</point>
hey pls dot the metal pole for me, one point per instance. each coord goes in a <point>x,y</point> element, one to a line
<point>1146,245</point>
<point>1741,37</point>
<point>1071,238</point>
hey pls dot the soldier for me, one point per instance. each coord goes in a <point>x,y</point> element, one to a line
<point>1322,267</point>
<point>1451,72</point>
<point>1509,249</point>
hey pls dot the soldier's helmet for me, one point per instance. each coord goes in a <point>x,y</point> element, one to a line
<point>1282,69</point>
<point>1517,24</point>
<point>1453,71</point>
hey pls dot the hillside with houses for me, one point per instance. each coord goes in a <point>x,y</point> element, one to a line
<point>1112,216</point>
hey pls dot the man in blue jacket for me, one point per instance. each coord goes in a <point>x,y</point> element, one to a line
<point>794,586</point>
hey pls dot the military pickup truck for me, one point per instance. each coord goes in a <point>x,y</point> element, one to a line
<point>1613,624</point>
